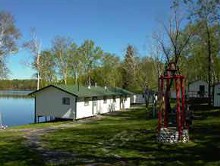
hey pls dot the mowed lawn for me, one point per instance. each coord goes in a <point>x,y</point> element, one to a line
<point>129,138</point>
<point>13,152</point>
<point>122,138</point>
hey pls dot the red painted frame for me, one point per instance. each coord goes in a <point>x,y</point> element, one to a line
<point>164,92</point>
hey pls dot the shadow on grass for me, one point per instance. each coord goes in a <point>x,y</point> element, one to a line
<point>13,152</point>
<point>127,138</point>
<point>139,113</point>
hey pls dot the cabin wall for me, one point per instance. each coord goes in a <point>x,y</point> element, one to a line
<point>137,99</point>
<point>49,102</point>
<point>127,103</point>
<point>194,88</point>
<point>83,110</point>
<point>117,104</point>
<point>217,95</point>
<point>105,107</point>
<point>97,107</point>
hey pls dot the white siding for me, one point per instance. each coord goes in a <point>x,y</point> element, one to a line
<point>49,103</point>
<point>193,88</point>
<point>117,104</point>
<point>127,103</point>
<point>100,108</point>
<point>99,104</point>
<point>137,99</point>
<point>95,107</point>
<point>105,107</point>
<point>83,110</point>
<point>217,95</point>
<point>109,106</point>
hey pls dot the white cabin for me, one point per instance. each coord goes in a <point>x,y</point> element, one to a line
<point>138,99</point>
<point>76,102</point>
<point>198,89</point>
<point>216,101</point>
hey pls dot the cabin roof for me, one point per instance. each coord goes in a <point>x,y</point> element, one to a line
<point>83,91</point>
<point>192,82</point>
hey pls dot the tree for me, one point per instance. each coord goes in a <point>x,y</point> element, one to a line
<point>34,46</point>
<point>9,35</point>
<point>47,68</point>
<point>76,62</point>
<point>205,12</point>
<point>176,39</point>
<point>147,73</point>
<point>197,54</point>
<point>110,74</point>
<point>91,56</point>
<point>129,69</point>
<point>61,49</point>
<point>156,55</point>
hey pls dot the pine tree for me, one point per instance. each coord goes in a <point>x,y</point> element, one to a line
<point>129,69</point>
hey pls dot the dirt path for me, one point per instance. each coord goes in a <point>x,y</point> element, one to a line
<point>51,157</point>
<point>33,141</point>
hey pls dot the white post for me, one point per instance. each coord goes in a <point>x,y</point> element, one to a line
<point>1,120</point>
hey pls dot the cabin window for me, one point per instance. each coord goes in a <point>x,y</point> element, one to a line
<point>66,100</point>
<point>104,99</point>
<point>86,101</point>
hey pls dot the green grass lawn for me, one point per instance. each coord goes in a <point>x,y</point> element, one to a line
<point>129,138</point>
<point>13,152</point>
<point>123,138</point>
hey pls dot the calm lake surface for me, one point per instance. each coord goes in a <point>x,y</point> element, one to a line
<point>16,108</point>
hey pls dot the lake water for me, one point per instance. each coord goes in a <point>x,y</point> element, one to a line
<point>16,110</point>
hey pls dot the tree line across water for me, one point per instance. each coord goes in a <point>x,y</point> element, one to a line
<point>191,40</point>
<point>26,84</point>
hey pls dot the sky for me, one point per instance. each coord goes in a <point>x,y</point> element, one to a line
<point>111,24</point>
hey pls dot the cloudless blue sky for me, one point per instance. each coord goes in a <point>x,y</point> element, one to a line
<point>111,24</point>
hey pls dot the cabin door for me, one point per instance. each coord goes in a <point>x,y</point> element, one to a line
<point>202,90</point>
<point>94,105</point>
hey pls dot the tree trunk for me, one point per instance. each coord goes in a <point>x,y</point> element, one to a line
<point>76,78</point>
<point>38,72</point>
<point>209,63</point>
<point>38,80</point>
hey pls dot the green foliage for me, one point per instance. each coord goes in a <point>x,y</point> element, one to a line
<point>62,50</point>
<point>9,35</point>
<point>91,56</point>
<point>47,68</point>
<point>108,74</point>
<point>146,74</point>
<point>203,10</point>
<point>196,54</point>
<point>129,68</point>
<point>18,84</point>
<point>196,43</point>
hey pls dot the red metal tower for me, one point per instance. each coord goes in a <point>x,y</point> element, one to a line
<point>169,130</point>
